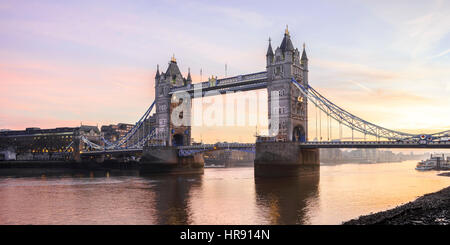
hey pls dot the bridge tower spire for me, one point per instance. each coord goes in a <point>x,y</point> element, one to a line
<point>269,54</point>
<point>189,78</point>
<point>157,76</point>
<point>281,68</point>
<point>304,64</point>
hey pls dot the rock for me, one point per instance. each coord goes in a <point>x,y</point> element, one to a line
<point>429,209</point>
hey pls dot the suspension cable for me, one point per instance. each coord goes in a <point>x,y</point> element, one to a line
<point>347,118</point>
<point>331,128</point>
<point>317,133</point>
<point>320,122</point>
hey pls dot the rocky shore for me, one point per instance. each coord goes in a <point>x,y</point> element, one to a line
<point>430,209</point>
<point>445,174</point>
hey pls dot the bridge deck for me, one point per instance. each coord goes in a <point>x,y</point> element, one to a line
<point>376,144</point>
<point>238,83</point>
<point>221,146</point>
<point>323,144</point>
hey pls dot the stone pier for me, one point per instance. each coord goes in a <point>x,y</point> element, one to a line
<point>281,159</point>
<point>165,160</point>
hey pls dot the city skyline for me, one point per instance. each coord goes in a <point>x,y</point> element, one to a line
<point>95,62</point>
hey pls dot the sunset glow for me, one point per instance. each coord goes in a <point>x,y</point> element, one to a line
<point>67,63</point>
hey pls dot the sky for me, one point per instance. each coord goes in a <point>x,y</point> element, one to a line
<point>63,63</point>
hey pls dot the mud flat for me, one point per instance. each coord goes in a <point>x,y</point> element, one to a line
<point>430,209</point>
<point>445,174</point>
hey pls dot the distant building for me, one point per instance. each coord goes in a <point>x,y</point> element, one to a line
<point>331,155</point>
<point>363,156</point>
<point>47,144</point>
<point>114,132</point>
<point>229,158</point>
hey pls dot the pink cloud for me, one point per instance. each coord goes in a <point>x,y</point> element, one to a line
<point>43,91</point>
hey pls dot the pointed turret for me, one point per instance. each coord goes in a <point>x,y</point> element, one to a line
<point>270,54</point>
<point>157,76</point>
<point>286,44</point>
<point>173,69</point>
<point>304,63</point>
<point>269,49</point>
<point>189,79</point>
<point>304,57</point>
<point>173,74</point>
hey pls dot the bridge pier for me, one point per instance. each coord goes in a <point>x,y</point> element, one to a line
<point>163,159</point>
<point>282,159</point>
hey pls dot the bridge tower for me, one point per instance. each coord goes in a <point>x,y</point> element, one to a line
<point>166,131</point>
<point>282,65</point>
<point>286,156</point>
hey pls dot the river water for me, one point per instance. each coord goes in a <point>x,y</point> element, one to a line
<point>219,196</point>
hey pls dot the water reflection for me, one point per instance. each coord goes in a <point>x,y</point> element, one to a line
<point>220,196</point>
<point>172,196</point>
<point>287,200</point>
<point>63,172</point>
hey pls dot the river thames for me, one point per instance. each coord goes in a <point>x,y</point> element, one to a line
<point>219,196</point>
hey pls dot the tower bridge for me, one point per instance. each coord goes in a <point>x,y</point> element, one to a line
<point>166,146</point>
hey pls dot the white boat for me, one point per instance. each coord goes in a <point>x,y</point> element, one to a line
<point>426,165</point>
<point>436,161</point>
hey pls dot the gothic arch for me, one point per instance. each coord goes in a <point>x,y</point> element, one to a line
<point>299,134</point>
<point>177,140</point>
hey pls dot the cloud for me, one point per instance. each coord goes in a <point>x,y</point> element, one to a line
<point>43,90</point>
<point>239,15</point>
<point>418,26</point>
<point>393,109</point>
<point>427,30</point>
<point>361,86</point>
<point>354,70</point>
<point>441,54</point>
<point>72,62</point>
<point>447,87</point>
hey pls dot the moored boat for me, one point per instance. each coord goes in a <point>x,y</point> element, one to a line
<point>425,165</point>
<point>436,162</point>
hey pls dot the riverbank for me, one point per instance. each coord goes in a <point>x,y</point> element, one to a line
<point>445,174</point>
<point>430,209</point>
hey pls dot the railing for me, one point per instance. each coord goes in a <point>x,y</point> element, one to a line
<point>377,144</point>
<point>218,145</point>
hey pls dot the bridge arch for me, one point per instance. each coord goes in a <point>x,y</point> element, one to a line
<point>177,140</point>
<point>299,134</point>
